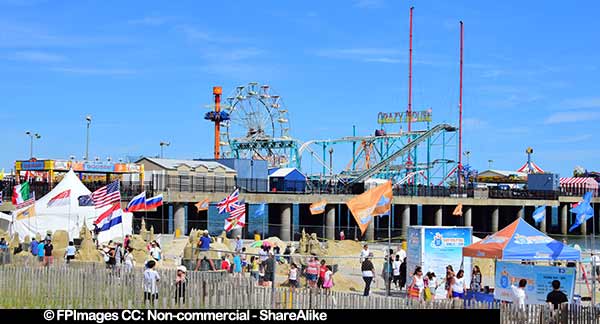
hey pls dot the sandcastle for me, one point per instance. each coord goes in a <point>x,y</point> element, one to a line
<point>311,245</point>
<point>87,250</point>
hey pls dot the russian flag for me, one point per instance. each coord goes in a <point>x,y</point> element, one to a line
<point>138,203</point>
<point>154,202</point>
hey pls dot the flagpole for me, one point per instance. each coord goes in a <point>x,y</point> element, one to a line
<point>389,284</point>
<point>69,228</point>
<point>593,260</point>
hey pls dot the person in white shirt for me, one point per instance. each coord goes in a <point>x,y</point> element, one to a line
<point>70,252</point>
<point>459,285</point>
<point>396,271</point>
<point>401,253</point>
<point>151,278</point>
<point>263,255</point>
<point>364,253</point>
<point>129,261</point>
<point>155,251</point>
<point>519,293</point>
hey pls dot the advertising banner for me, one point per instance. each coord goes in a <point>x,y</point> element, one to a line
<point>443,247</point>
<point>539,281</point>
<point>32,165</point>
<point>98,166</point>
<point>414,251</point>
<point>61,165</point>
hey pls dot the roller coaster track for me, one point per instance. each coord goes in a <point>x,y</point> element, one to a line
<point>421,138</point>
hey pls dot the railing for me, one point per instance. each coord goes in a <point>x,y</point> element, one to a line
<point>180,183</point>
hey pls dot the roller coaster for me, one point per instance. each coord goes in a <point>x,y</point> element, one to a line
<point>257,126</point>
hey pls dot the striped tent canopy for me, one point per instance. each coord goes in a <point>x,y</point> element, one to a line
<point>579,184</point>
<point>530,167</point>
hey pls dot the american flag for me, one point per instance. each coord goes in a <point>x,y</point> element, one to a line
<point>107,195</point>
<point>226,204</point>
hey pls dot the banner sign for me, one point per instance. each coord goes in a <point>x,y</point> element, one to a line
<point>414,251</point>
<point>403,117</point>
<point>443,247</point>
<point>435,247</point>
<point>539,281</point>
<point>32,165</point>
<point>98,166</point>
<point>61,165</point>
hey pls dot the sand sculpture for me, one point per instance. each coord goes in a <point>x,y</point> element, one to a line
<point>87,250</point>
<point>309,244</point>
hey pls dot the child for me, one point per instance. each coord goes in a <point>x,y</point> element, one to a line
<point>396,271</point>
<point>293,276</point>
<point>328,280</point>
<point>151,278</point>
<point>254,267</point>
<point>180,283</point>
<point>261,274</point>
<point>237,265</point>
<point>225,265</point>
<point>129,260</point>
<point>244,260</point>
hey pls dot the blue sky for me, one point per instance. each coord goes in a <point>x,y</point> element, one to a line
<point>145,70</point>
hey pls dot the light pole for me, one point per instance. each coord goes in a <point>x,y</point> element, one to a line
<point>490,164</point>
<point>32,136</point>
<point>467,154</point>
<point>88,118</point>
<point>162,145</point>
<point>331,162</point>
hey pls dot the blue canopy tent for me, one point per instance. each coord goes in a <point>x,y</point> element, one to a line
<point>287,180</point>
<point>521,241</point>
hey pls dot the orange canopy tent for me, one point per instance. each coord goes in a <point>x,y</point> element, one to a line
<point>521,241</point>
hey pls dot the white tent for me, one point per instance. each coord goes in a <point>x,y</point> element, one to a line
<point>69,217</point>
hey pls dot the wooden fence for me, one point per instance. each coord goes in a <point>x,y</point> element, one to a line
<point>93,286</point>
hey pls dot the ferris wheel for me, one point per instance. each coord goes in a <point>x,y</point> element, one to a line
<point>258,125</point>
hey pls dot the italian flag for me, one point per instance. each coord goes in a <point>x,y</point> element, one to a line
<point>20,193</point>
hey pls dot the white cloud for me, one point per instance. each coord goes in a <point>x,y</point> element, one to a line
<point>196,34</point>
<point>571,117</point>
<point>369,4</point>
<point>94,71</point>
<point>589,102</point>
<point>383,60</point>
<point>150,21</point>
<point>234,54</point>
<point>365,54</point>
<point>474,123</point>
<point>37,56</point>
<point>572,139</point>
<point>21,35</point>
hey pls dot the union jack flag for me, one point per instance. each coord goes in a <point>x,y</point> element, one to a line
<point>226,204</point>
<point>238,210</point>
<point>107,195</point>
<point>237,218</point>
